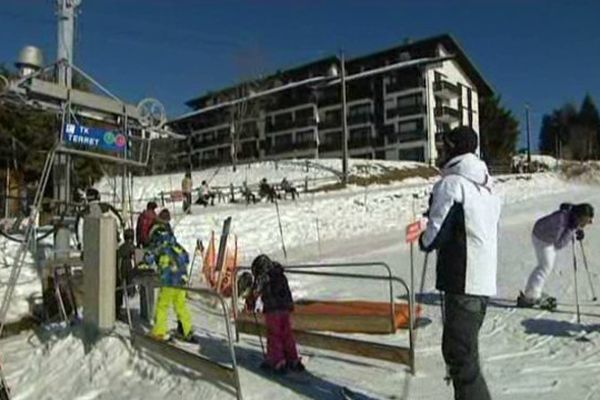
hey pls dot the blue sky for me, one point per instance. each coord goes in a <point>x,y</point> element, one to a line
<point>543,52</point>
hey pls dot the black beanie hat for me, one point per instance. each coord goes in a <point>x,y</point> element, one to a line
<point>583,210</point>
<point>460,140</point>
<point>260,265</point>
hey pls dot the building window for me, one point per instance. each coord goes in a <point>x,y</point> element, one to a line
<point>407,101</point>
<point>283,140</point>
<point>408,126</point>
<point>360,134</point>
<point>305,136</point>
<point>412,154</point>
<point>333,138</point>
<point>283,119</point>
<point>304,113</point>
<point>360,109</point>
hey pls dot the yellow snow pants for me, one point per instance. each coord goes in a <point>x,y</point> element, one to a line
<point>166,298</point>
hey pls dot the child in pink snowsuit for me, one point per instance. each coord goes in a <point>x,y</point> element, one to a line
<point>272,286</point>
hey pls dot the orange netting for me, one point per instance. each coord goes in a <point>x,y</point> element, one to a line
<point>221,281</point>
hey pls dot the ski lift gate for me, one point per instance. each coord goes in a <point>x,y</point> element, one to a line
<point>227,374</point>
<point>397,354</point>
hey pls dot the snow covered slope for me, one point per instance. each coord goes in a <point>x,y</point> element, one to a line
<point>524,352</point>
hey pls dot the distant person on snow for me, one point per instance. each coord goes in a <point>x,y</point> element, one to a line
<point>205,194</point>
<point>171,261</point>
<point>287,187</point>
<point>144,224</point>
<point>268,282</point>
<point>186,189</point>
<point>550,234</point>
<point>462,227</point>
<point>266,190</point>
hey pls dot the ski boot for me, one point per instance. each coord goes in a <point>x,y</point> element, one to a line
<point>296,366</point>
<point>544,302</point>
<point>279,369</point>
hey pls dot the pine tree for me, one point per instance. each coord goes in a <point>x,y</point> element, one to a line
<point>589,119</point>
<point>499,130</point>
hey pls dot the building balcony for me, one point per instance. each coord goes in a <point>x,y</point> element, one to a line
<point>359,119</point>
<point>305,122</point>
<point>279,126</point>
<point>411,136</point>
<point>446,90</point>
<point>358,92</point>
<point>366,142</point>
<point>405,111</point>
<point>405,84</point>
<point>281,148</point>
<point>201,144</point>
<point>447,115</point>
<point>306,145</point>
<point>332,145</point>
<point>330,124</point>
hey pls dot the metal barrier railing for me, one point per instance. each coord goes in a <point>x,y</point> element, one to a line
<point>231,376</point>
<point>305,270</point>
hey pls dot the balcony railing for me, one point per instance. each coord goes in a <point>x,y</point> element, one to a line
<point>405,111</point>
<point>330,123</point>
<point>446,89</point>
<point>366,142</point>
<point>446,114</point>
<point>304,122</point>
<point>411,136</point>
<point>281,148</point>
<point>331,145</point>
<point>306,144</point>
<point>279,126</point>
<point>405,84</point>
<point>357,119</point>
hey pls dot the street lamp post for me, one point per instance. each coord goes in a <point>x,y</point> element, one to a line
<point>344,122</point>
<point>528,137</point>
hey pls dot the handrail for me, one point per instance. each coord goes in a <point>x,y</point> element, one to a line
<point>204,292</point>
<point>298,269</point>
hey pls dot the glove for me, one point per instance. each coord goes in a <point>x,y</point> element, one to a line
<point>579,234</point>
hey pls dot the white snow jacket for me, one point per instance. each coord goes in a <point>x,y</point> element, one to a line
<point>463,228</point>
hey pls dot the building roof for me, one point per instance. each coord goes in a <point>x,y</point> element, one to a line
<point>421,48</point>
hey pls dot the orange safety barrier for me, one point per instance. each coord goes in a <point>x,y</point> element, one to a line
<point>353,316</point>
<point>220,281</point>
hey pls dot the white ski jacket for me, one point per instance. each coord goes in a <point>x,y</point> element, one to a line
<point>463,228</point>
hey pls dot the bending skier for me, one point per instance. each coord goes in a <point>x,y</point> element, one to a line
<point>462,227</point>
<point>550,234</point>
<point>268,282</point>
<point>171,261</point>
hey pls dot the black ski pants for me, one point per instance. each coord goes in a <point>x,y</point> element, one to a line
<point>464,315</point>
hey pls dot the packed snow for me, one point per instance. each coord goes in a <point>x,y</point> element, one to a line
<point>524,352</point>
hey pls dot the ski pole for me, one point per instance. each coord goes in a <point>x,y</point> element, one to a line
<point>585,264</point>
<point>199,248</point>
<point>424,274</point>
<point>575,278</point>
<point>447,377</point>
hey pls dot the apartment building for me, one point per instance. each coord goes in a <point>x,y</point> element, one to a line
<point>398,101</point>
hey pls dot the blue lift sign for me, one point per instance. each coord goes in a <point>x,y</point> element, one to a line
<point>95,138</point>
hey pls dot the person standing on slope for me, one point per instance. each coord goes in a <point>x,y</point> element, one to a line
<point>268,282</point>
<point>186,189</point>
<point>463,227</point>
<point>171,261</point>
<point>144,224</point>
<point>550,234</point>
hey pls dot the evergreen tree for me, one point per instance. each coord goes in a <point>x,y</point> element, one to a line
<point>499,130</point>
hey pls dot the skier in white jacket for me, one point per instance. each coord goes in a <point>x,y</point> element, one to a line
<point>462,227</point>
